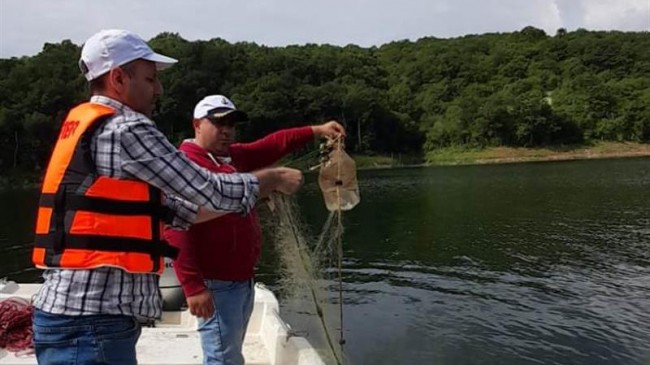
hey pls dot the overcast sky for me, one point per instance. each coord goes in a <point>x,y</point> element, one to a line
<point>26,24</point>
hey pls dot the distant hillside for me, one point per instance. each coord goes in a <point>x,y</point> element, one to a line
<point>521,89</point>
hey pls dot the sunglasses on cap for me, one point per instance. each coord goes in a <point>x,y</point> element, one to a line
<point>221,121</point>
<point>226,116</point>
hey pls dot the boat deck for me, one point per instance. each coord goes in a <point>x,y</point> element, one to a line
<point>175,341</point>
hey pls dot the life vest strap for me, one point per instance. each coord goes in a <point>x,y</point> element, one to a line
<point>105,243</point>
<point>108,206</point>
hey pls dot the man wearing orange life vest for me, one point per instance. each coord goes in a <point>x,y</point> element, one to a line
<point>103,203</point>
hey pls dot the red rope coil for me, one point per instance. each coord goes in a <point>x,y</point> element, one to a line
<point>16,324</point>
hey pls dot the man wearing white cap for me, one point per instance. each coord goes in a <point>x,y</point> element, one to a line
<point>217,259</point>
<point>112,181</point>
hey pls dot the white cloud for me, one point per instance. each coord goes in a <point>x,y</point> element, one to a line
<point>571,13</point>
<point>26,24</point>
<point>621,15</point>
<point>626,15</point>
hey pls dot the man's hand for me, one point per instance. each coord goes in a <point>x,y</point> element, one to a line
<point>281,179</point>
<point>290,180</point>
<point>201,304</point>
<point>330,129</point>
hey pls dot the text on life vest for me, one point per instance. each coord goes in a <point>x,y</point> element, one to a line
<point>68,128</point>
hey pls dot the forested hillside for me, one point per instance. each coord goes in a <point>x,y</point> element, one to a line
<point>525,88</point>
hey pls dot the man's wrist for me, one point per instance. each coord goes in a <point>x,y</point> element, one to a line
<point>194,288</point>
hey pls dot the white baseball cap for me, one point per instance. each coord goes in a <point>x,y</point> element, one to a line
<point>111,48</point>
<point>218,106</point>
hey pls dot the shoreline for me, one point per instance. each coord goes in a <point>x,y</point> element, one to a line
<point>507,155</point>
<point>576,157</point>
<point>455,156</point>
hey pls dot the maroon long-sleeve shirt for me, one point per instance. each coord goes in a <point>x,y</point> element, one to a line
<point>228,247</point>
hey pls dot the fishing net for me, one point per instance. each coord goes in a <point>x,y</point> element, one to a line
<point>16,325</point>
<point>303,277</point>
<point>309,263</point>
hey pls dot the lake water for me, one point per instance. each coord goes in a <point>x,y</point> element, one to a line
<point>540,263</point>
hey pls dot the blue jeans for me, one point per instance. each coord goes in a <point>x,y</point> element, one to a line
<point>222,335</point>
<point>97,339</point>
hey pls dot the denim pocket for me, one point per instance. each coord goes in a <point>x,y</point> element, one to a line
<point>117,340</point>
<point>56,348</point>
<point>122,327</point>
<point>220,285</point>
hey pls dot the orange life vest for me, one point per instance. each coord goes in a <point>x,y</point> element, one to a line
<point>85,220</point>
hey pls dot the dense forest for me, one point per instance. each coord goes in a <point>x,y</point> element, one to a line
<point>524,88</point>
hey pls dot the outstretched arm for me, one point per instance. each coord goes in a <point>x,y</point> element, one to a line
<point>268,150</point>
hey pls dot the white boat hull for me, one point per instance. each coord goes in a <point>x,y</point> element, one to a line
<point>175,341</point>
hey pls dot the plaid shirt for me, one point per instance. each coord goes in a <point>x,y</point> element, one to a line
<point>129,146</point>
